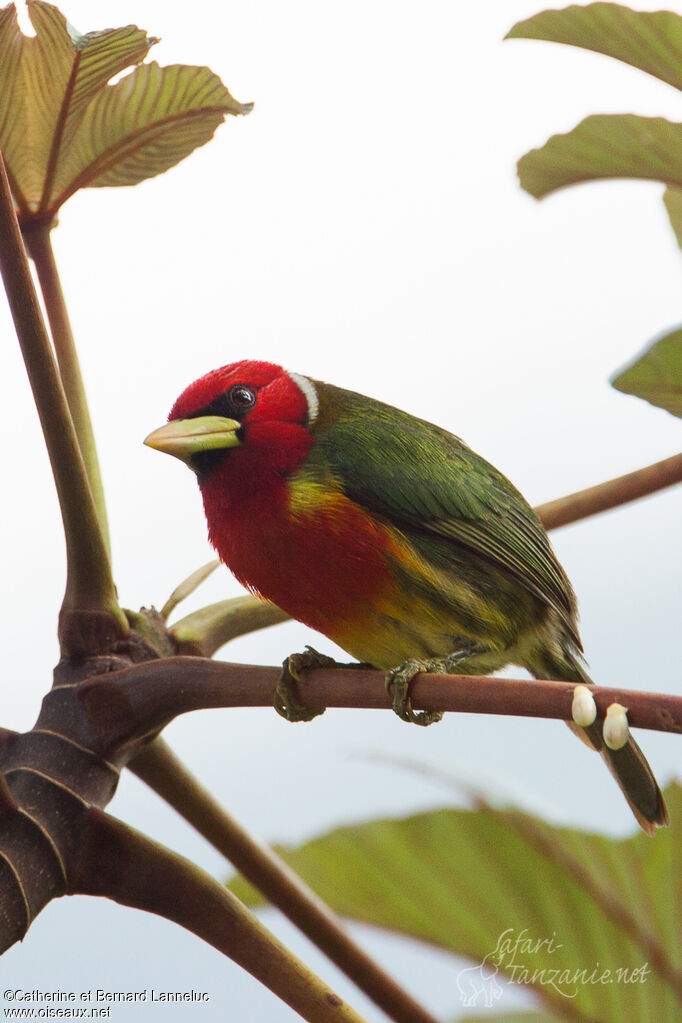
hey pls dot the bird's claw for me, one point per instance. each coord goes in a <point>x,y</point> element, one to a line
<point>284,700</point>
<point>398,680</point>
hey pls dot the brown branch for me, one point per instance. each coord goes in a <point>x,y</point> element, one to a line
<point>611,494</point>
<point>119,863</point>
<point>112,712</point>
<point>166,775</point>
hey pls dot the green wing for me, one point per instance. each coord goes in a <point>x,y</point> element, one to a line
<point>428,482</point>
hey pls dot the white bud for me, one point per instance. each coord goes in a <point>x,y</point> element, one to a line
<point>583,708</point>
<point>616,730</point>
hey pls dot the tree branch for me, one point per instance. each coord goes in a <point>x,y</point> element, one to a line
<point>166,775</point>
<point>110,713</point>
<point>89,585</point>
<point>611,494</point>
<point>119,863</point>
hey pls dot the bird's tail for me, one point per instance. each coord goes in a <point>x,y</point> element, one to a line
<point>628,765</point>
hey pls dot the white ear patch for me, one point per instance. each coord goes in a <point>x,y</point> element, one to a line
<point>308,388</point>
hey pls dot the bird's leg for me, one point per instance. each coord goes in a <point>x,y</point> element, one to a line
<point>400,678</point>
<point>283,700</point>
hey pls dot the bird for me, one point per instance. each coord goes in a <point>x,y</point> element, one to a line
<point>387,534</point>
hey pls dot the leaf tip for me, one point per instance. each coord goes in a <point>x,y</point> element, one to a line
<point>513,32</point>
<point>527,178</point>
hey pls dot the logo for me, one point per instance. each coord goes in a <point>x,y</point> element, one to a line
<point>477,984</point>
<point>512,962</point>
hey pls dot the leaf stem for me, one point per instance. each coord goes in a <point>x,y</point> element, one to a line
<point>89,585</point>
<point>205,631</point>
<point>166,775</point>
<point>39,244</point>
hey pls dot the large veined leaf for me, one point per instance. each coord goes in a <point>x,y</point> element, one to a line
<point>656,375</point>
<point>672,198</point>
<point>592,925</point>
<point>649,40</point>
<point>610,146</point>
<point>605,146</point>
<point>145,124</point>
<point>63,127</point>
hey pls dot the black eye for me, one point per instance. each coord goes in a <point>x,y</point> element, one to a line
<point>243,398</point>
<point>233,403</point>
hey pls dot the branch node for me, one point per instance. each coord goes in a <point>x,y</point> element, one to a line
<point>88,632</point>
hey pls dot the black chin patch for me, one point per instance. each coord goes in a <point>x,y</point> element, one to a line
<point>204,462</point>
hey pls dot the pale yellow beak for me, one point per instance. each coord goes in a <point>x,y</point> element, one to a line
<point>184,438</point>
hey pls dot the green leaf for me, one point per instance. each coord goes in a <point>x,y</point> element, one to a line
<point>46,82</point>
<point>649,40</point>
<point>605,146</point>
<point>550,908</point>
<point>656,375</point>
<point>63,127</point>
<point>144,125</point>
<point>672,197</point>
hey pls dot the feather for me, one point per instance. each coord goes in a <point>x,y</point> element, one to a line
<point>428,483</point>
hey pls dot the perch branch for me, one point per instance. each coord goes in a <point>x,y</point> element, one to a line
<point>120,708</point>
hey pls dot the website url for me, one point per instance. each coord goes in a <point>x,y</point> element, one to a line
<point>50,1013</point>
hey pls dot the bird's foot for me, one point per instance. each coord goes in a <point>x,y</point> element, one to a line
<point>399,679</point>
<point>284,700</point>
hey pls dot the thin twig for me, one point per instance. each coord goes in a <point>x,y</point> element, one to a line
<point>38,242</point>
<point>611,494</point>
<point>166,775</point>
<point>89,584</point>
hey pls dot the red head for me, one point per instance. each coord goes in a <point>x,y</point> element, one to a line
<point>249,391</point>
<point>253,414</point>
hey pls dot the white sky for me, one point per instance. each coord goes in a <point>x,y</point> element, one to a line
<point>364,226</point>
